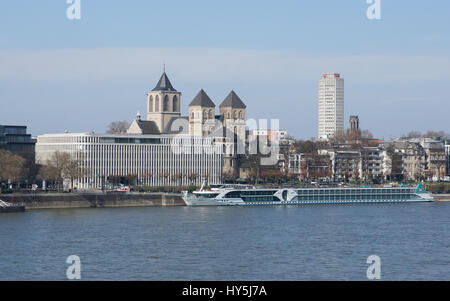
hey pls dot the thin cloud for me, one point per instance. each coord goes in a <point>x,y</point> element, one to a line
<point>210,66</point>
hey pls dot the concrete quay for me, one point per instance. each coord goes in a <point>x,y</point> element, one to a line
<point>92,200</point>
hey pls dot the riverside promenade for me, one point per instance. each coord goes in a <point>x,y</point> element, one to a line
<point>441,197</point>
<point>92,200</point>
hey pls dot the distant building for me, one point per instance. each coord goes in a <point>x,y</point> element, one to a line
<point>345,163</point>
<point>295,163</point>
<point>371,162</point>
<point>315,167</point>
<point>331,105</point>
<point>15,139</point>
<point>355,163</point>
<point>281,137</point>
<point>392,159</point>
<point>423,158</point>
<point>353,124</point>
<point>447,156</point>
<point>435,156</point>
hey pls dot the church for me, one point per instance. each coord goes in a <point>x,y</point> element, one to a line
<point>226,129</point>
<point>166,149</point>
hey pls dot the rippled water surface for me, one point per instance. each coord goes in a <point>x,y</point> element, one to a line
<point>229,243</point>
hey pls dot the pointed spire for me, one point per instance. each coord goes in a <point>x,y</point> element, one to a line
<point>232,100</point>
<point>164,84</point>
<point>202,99</point>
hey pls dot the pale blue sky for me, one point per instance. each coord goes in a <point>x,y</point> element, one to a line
<point>58,74</point>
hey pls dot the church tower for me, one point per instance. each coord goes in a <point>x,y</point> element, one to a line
<point>201,115</point>
<point>163,103</point>
<point>232,114</point>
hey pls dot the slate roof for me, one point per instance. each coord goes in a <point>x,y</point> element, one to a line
<point>148,127</point>
<point>202,99</point>
<point>232,100</point>
<point>164,84</point>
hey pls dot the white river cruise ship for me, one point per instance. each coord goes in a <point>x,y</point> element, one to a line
<point>245,195</point>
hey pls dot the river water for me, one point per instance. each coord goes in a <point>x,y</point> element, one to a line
<point>323,242</point>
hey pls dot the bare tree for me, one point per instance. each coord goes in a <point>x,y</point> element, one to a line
<point>131,178</point>
<point>412,134</point>
<point>432,134</point>
<point>338,137</point>
<point>366,134</point>
<point>164,175</point>
<point>61,166</point>
<point>118,127</point>
<point>176,177</point>
<point>192,178</point>
<point>12,167</point>
<point>304,146</point>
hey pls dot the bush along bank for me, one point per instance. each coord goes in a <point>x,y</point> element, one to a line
<point>172,189</point>
<point>438,188</point>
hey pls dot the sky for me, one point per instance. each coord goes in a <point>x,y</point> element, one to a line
<point>79,75</point>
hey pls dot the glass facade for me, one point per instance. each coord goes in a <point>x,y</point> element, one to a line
<point>253,195</point>
<point>15,139</point>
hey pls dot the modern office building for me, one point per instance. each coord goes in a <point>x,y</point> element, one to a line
<point>331,105</point>
<point>15,139</point>
<point>153,160</point>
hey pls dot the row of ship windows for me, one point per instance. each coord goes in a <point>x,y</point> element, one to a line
<point>359,197</point>
<point>352,191</point>
<point>260,199</point>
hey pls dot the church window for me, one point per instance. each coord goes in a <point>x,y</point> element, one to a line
<point>175,104</point>
<point>150,104</point>
<point>157,103</point>
<point>166,104</point>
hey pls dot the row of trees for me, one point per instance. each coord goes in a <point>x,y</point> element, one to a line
<point>133,179</point>
<point>59,167</point>
<point>428,134</point>
<point>356,137</point>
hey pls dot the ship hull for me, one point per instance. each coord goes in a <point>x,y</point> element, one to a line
<point>12,209</point>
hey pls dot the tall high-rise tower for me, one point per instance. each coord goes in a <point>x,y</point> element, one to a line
<point>331,105</point>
